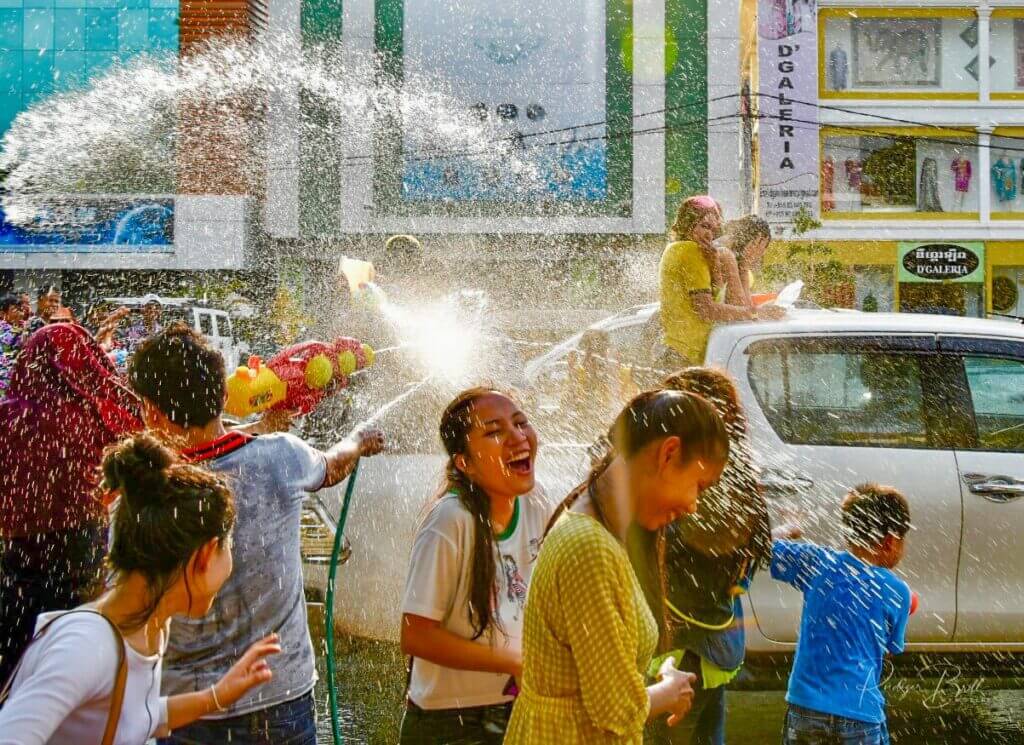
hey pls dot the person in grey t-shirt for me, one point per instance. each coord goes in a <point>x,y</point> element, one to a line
<point>181,380</point>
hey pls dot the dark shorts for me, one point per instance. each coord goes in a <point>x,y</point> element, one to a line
<point>478,725</point>
<point>809,727</point>
<point>289,723</point>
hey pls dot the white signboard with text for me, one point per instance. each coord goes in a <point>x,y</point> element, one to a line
<point>788,62</point>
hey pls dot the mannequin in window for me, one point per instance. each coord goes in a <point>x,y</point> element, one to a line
<point>962,170</point>
<point>928,187</point>
<point>854,171</point>
<point>1004,179</point>
<point>838,68</point>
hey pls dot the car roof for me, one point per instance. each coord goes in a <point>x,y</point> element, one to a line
<point>628,318</point>
<point>797,321</point>
<point>166,302</point>
<point>844,321</point>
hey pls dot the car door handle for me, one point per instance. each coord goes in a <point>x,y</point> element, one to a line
<point>998,489</point>
<point>773,479</point>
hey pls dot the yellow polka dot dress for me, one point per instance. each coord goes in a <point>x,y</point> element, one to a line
<point>587,638</point>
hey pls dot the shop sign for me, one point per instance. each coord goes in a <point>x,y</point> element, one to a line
<point>942,262</point>
<point>788,128</point>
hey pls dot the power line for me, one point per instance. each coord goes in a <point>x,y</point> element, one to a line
<point>439,154</point>
<point>518,138</point>
<point>868,132</point>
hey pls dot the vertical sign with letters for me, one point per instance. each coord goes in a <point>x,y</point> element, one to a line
<point>788,128</point>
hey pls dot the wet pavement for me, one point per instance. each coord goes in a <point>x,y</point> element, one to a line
<point>951,708</point>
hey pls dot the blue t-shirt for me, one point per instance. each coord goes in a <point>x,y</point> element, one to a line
<point>854,613</point>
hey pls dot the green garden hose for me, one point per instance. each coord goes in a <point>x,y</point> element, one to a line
<point>339,533</point>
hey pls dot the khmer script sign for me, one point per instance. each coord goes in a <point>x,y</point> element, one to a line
<point>942,262</point>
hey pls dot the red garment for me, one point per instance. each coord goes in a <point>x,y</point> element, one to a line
<point>64,406</point>
<point>828,174</point>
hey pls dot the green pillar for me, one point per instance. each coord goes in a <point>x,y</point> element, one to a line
<point>686,101</point>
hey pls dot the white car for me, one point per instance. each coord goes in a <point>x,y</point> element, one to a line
<point>933,405</point>
<point>213,323</point>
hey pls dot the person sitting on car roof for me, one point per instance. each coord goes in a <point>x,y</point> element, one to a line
<point>690,281</point>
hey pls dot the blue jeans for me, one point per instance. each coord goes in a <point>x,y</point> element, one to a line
<point>809,727</point>
<point>290,723</point>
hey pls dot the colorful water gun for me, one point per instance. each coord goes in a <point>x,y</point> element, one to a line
<point>297,378</point>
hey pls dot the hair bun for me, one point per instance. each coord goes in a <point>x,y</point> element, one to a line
<point>137,468</point>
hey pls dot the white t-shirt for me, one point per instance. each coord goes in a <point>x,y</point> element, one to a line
<point>438,588</point>
<point>61,694</point>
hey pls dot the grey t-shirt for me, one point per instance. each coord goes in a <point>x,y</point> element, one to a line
<point>269,475</point>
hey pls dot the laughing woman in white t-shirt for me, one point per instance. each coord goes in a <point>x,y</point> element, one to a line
<point>170,554</point>
<point>462,614</point>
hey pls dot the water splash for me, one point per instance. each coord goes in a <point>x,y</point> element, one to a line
<point>160,125</point>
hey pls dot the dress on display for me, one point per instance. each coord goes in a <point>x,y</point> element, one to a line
<point>838,69</point>
<point>854,171</point>
<point>1004,180</point>
<point>962,169</point>
<point>928,188</point>
<point>828,173</point>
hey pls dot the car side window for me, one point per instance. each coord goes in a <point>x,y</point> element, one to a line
<point>206,324</point>
<point>831,396</point>
<point>997,392</point>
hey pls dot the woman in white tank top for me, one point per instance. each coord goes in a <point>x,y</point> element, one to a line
<point>170,554</point>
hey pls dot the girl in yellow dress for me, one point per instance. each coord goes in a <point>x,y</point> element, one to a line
<point>589,633</point>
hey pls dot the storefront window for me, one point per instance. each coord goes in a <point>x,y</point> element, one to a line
<point>874,53</point>
<point>1007,173</point>
<point>875,291</point>
<point>1008,291</point>
<point>1007,53</point>
<point>890,174</point>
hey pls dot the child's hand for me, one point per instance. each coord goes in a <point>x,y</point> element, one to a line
<point>250,671</point>
<point>370,441</point>
<point>680,686</point>
<point>787,531</point>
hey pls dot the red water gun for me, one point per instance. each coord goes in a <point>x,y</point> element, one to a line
<point>297,378</point>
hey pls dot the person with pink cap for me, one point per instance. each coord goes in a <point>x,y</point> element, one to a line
<point>690,282</point>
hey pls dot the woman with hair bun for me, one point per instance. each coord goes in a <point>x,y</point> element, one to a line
<point>711,558</point>
<point>92,674</point>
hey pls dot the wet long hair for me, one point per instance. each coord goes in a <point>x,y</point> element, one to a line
<point>741,232</point>
<point>733,516</point>
<point>457,422</point>
<point>650,417</point>
<point>690,212</point>
<point>168,509</point>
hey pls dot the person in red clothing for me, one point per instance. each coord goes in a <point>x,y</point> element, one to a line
<point>65,405</point>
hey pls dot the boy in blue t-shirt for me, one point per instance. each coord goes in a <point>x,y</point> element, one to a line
<point>855,612</point>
